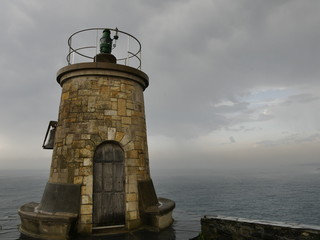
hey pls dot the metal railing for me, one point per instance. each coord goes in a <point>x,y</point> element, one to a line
<point>84,45</point>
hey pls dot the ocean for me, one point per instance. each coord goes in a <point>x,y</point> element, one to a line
<point>289,195</point>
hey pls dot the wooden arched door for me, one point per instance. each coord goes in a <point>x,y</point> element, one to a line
<point>108,185</point>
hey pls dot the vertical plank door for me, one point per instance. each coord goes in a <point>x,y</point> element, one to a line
<point>108,185</point>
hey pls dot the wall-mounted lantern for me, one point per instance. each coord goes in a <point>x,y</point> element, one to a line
<point>51,131</point>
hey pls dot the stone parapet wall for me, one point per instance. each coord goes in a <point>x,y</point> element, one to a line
<point>227,228</point>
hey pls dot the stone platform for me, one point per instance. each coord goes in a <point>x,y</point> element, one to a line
<point>45,225</point>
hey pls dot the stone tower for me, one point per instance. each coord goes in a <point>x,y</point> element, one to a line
<point>99,178</point>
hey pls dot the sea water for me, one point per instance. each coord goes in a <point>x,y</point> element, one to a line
<point>284,195</point>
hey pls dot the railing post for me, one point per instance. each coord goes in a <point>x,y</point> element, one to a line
<point>128,50</point>
<point>97,42</point>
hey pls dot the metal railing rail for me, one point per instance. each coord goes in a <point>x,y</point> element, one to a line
<point>125,59</point>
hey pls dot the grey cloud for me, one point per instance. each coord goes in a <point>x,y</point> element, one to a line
<point>241,129</point>
<point>255,50</point>
<point>264,117</point>
<point>291,139</point>
<point>232,140</point>
<point>301,98</point>
<point>196,53</point>
<point>240,106</point>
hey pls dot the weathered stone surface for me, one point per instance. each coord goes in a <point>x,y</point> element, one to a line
<point>86,199</point>
<point>132,206</point>
<point>86,219</point>
<point>45,226</point>
<point>59,198</point>
<point>133,215</point>
<point>132,188</point>
<point>100,102</point>
<point>95,107</point>
<point>131,197</point>
<point>132,154</point>
<point>227,228</point>
<point>87,162</point>
<point>122,110</point>
<point>86,209</point>
<point>111,112</point>
<point>78,179</point>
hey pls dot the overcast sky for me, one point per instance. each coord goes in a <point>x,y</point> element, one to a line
<point>233,83</point>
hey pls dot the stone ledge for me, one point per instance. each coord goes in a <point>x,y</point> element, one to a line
<point>229,228</point>
<point>93,69</point>
<point>163,207</point>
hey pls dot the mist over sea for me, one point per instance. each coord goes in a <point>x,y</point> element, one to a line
<point>286,194</point>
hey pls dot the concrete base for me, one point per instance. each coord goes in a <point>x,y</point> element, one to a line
<point>56,215</point>
<point>159,217</point>
<point>62,225</point>
<point>45,225</point>
<point>159,222</point>
<point>156,213</point>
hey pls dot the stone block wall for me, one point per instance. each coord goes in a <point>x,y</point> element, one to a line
<point>227,228</point>
<point>100,102</point>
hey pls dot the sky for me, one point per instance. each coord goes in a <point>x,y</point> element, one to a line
<point>234,84</point>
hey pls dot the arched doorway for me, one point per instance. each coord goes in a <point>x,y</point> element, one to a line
<point>108,185</point>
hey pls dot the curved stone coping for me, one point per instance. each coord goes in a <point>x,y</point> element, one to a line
<point>156,212</point>
<point>102,69</point>
<point>53,226</point>
<point>29,210</point>
<point>163,207</point>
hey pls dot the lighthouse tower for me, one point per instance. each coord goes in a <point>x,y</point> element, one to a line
<point>99,178</point>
